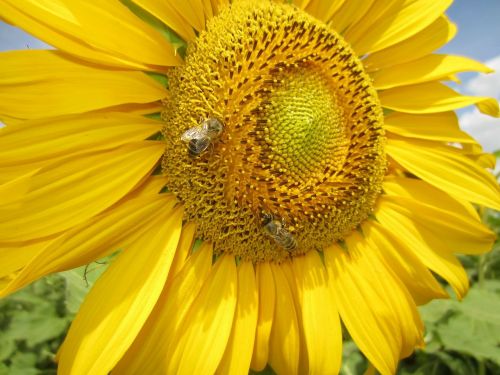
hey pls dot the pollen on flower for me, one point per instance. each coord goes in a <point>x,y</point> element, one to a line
<point>303,132</point>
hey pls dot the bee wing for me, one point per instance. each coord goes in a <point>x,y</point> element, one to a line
<point>191,133</point>
<point>202,144</point>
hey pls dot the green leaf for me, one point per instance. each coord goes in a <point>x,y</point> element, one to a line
<point>353,362</point>
<point>482,306</point>
<point>37,326</point>
<point>436,310</point>
<point>472,337</point>
<point>7,347</point>
<point>23,364</point>
<point>76,289</point>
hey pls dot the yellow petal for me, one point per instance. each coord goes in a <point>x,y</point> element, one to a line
<point>47,88</point>
<point>461,233</point>
<point>448,170</point>
<point>46,139</point>
<point>301,4</point>
<point>165,12</point>
<point>425,69</point>
<point>120,301</point>
<point>422,191</point>
<point>183,249</point>
<point>267,298</point>
<point>148,353</point>
<point>239,349</point>
<point>349,13</point>
<point>217,5</point>
<point>78,27</point>
<point>91,240</point>
<point>320,317</point>
<point>16,256</point>
<point>192,11</point>
<point>292,279</point>
<point>385,325</point>
<point>433,37</point>
<point>323,10</point>
<point>14,191</point>
<point>21,172</point>
<point>408,268</point>
<point>442,126</point>
<point>384,28</point>
<point>433,97</point>
<point>431,251</point>
<point>208,9</point>
<point>212,313</point>
<point>70,192</point>
<point>284,341</point>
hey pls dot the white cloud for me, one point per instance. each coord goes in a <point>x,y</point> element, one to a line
<point>484,128</point>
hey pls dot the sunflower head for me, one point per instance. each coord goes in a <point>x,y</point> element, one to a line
<point>311,147</point>
<point>303,135</point>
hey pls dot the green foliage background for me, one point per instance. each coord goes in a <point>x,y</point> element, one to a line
<point>462,338</point>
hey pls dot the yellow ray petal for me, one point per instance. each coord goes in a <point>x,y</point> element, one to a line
<point>385,325</point>
<point>323,10</point>
<point>60,137</point>
<point>239,350</point>
<point>217,5</point>
<point>148,353</point>
<point>94,239</point>
<point>461,233</point>
<point>183,249</point>
<point>192,11</point>
<point>13,191</point>
<point>422,191</point>
<point>47,88</point>
<point>320,317</point>
<point>292,279</point>
<point>301,4</point>
<point>16,256</point>
<point>349,13</point>
<point>411,271</point>
<point>433,97</point>
<point>434,36</point>
<point>431,251</point>
<point>442,126</point>
<point>166,13</point>
<point>208,9</point>
<point>425,69</point>
<point>398,23</point>
<point>70,192</point>
<point>448,170</point>
<point>21,172</point>
<point>267,298</point>
<point>377,11</point>
<point>284,340</point>
<point>410,323</point>
<point>77,27</point>
<point>120,301</point>
<point>212,313</point>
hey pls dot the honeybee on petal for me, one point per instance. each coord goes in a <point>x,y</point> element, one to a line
<point>199,137</point>
<point>276,230</point>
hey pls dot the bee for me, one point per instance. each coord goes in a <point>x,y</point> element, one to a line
<point>276,230</point>
<point>199,137</point>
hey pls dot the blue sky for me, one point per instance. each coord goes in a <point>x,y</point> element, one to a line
<point>478,28</point>
<point>478,37</point>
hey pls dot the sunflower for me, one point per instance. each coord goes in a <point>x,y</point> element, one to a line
<point>268,170</point>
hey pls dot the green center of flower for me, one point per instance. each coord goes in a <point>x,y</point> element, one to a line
<point>274,139</point>
<point>304,131</point>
